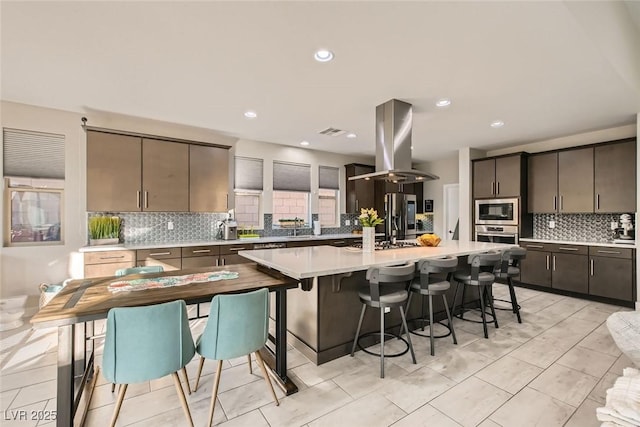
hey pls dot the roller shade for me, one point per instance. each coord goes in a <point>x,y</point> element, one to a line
<point>248,174</point>
<point>291,177</point>
<point>33,154</point>
<point>329,178</point>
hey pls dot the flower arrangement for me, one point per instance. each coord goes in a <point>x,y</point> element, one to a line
<point>369,217</point>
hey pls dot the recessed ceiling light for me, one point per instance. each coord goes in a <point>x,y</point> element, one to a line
<point>250,114</point>
<point>323,55</point>
<point>444,102</point>
<point>497,124</point>
<point>304,143</point>
<point>351,135</point>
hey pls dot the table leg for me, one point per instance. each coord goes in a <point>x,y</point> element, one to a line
<point>66,387</point>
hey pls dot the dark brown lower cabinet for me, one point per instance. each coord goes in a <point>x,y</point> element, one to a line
<point>611,272</point>
<point>570,272</point>
<point>535,269</point>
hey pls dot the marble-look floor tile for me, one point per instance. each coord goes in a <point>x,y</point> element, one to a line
<point>588,361</point>
<point>28,377</point>
<point>199,410</point>
<point>531,408</point>
<point>366,379</point>
<point>35,393</point>
<point>488,423</point>
<point>565,384</point>
<point>509,374</point>
<point>585,416</point>
<point>252,419</point>
<point>622,362</point>
<point>102,394</point>
<point>541,352</point>
<point>599,392</point>
<point>602,343</point>
<point>7,397</point>
<point>313,374</point>
<point>413,390</point>
<point>22,416</point>
<point>459,364</point>
<point>372,409</point>
<point>426,416</point>
<point>306,405</point>
<point>241,400</point>
<point>571,326</point>
<point>593,313</point>
<point>493,348</point>
<point>462,403</point>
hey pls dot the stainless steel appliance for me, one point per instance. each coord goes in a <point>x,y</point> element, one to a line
<point>381,246</point>
<point>229,230</point>
<point>497,212</point>
<point>400,216</point>
<point>497,234</point>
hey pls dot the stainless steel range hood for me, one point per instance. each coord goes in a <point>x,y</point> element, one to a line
<point>393,145</point>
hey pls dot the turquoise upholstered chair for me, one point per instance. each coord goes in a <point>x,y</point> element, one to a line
<point>237,326</point>
<point>139,270</point>
<point>145,343</point>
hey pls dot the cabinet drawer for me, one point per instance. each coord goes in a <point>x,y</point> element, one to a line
<point>195,251</point>
<point>160,253</point>
<point>234,249</point>
<point>105,270</point>
<point>104,257</point>
<point>167,264</point>
<point>536,246</point>
<point>570,249</point>
<point>200,261</point>
<point>611,252</point>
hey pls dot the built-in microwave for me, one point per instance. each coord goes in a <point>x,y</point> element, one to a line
<point>497,211</point>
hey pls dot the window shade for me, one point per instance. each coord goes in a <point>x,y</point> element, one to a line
<point>33,154</point>
<point>248,174</point>
<point>291,177</point>
<point>329,178</point>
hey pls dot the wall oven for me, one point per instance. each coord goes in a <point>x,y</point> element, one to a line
<point>497,234</point>
<point>497,212</point>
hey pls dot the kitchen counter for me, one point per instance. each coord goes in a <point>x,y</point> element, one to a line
<point>189,243</point>
<point>570,242</point>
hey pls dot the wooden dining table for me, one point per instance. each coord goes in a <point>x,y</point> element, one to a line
<point>74,310</point>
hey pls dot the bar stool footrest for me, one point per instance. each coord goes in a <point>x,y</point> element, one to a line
<point>489,315</point>
<point>426,324</point>
<point>387,335</point>
<point>505,308</point>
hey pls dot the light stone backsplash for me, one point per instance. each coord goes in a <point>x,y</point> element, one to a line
<point>575,227</point>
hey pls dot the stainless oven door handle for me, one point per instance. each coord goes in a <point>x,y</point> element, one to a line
<point>497,235</point>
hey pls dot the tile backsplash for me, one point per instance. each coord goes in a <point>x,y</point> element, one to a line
<point>574,227</point>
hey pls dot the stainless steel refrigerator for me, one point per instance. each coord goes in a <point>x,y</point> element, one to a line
<point>400,216</point>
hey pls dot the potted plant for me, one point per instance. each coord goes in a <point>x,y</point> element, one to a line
<point>104,230</point>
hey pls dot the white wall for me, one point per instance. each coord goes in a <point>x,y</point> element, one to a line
<point>447,170</point>
<point>23,268</point>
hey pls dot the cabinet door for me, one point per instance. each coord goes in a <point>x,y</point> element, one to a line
<point>165,176</point>
<point>575,181</point>
<point>200,261</point>
<point>231,259</point>
<point>615,177</point>
<point>360,193</point>
<point>611,278</point>
<point>167,264</point>
<point>508,176</point>
<point>570,272</point>
<point>113,172</point>
<point>208,179</point>
<point>543,183</point>
<point>484,178</point>
<point>105,270</point>
<point>535,269</point>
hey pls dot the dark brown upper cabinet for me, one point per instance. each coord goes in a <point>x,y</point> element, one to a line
<point>575,181</point>
<point>498,177</point>
<point>543,183</point>
<point>615,177</point>
<point>361,192</point>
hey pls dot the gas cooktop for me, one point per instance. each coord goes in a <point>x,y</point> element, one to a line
<point>388,245</point>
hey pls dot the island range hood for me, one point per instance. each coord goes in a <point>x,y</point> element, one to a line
<point>393,145</point>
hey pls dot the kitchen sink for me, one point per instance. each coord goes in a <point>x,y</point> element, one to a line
<point>305,237</point>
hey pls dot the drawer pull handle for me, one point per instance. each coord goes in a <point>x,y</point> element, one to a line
<point>338,242</point>
<point>567,249</point>
<point>554,263</point>
<point>547,262</point>
<point>202,251</point>
<point>535,246</point>
<point>160,253</point>
<point>112,257</point>
<point>609,252</point>
<point>592,266</point>
<point>237,249</point>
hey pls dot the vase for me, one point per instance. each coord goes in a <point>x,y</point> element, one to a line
<point>368,239</point>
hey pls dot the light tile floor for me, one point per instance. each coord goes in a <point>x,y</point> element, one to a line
<point>551,370</point>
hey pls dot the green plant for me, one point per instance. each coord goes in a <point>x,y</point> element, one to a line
<point>104,227</point>
<point>369,218</point>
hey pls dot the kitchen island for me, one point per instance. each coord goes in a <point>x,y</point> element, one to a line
<point>323,315</point>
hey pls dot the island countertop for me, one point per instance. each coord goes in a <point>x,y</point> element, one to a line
<point>316,261</point>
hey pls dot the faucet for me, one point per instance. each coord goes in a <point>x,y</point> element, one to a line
<point>295,226</point>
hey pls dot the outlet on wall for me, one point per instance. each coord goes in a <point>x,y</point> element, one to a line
<point>552,224</point>
<point>347,222</point>
<point>170,225</point>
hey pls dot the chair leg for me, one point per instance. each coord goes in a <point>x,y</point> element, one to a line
<point>355,340</point>
<point>431,339</point>
<point>455,299</point>
<point>250,367</point>
<point>216,383</point>
<point>186,379</point>
<point>381,342</point>
<point>482,308</point>
<point>199,373</point>
<point>183,398</point>
<point>404,321</point>
<point>446,307</point>
<point>116,411</point>
<point>464,290</point>
<point>489,295</point>
<point>266,377</point>
<point>406,310</point>
<point>514,300</point>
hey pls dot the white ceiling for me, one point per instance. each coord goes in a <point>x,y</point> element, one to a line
<point>547,69</point>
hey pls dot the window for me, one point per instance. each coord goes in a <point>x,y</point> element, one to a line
<point>248,191</point>
<point>328,183</point>
<point>34,186</point>
<point>291,191</point>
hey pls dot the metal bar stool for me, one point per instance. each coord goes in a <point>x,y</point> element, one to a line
<point>508,269</point>
<point>482,280</point>
<point>423,288</point>
<point>387,288</point>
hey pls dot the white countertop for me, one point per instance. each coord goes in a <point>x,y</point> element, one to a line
<point>571,242</point>
<point>312,261</point>
<point>189,243</point>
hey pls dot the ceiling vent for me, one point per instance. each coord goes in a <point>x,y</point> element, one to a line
<point>332,132</point>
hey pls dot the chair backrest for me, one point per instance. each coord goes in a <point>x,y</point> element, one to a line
<point>144,343</point>
<point>427,266</point>
<point>511,257</point>
<point>486,261</point>
<point>238,325</point>
<point>398,275</point>
<point>139,270</point>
